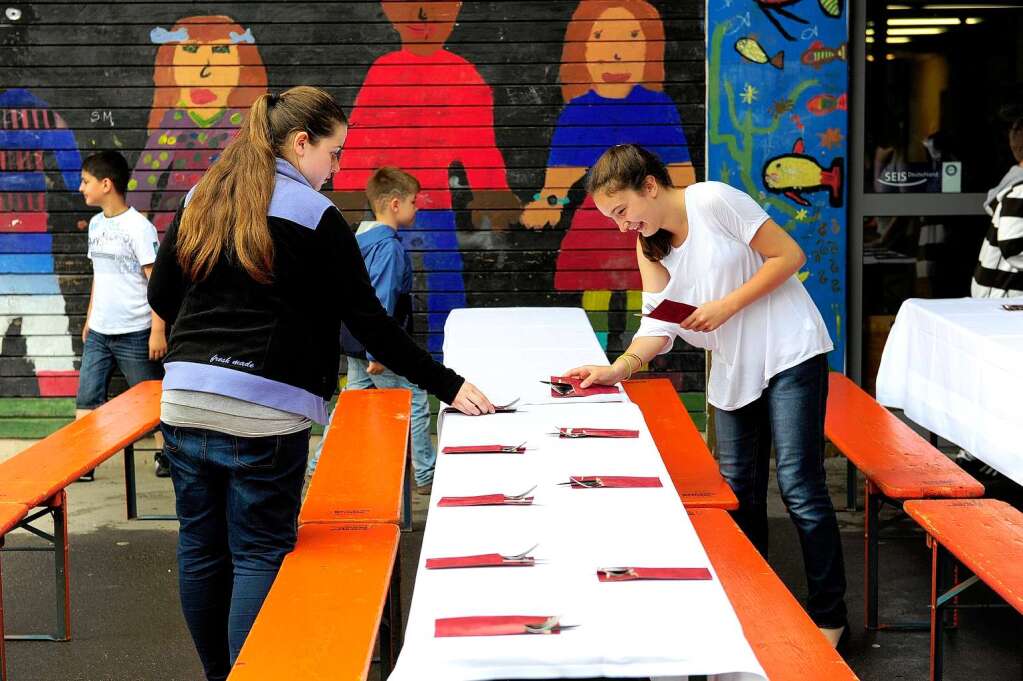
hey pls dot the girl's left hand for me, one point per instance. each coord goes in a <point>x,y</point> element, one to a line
<point>709,316</point>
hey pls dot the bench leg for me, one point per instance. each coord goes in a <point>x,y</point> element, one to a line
<point>872,510</point>
<point>390,624</point>
<point>406,501</point>
<point>130,491</point>
<point>3,651</point>
<point>939,576</point>
<point>62,576</point>
<point>56,508</point>
<point>851,484</point>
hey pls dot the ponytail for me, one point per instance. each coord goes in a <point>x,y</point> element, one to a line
<point>227,213</point>
<point>626,166</point>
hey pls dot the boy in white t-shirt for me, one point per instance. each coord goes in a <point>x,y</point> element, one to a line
<point>120,328</point>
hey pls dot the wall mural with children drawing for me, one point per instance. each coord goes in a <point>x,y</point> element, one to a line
<point>777,127</point>
<point>494,106</point>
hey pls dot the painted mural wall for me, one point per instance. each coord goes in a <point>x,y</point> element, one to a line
<point>497,107</point>
<point>777,81</point>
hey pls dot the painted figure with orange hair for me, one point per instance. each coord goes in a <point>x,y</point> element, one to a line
<point>208,73</point>
<point>612,81</point>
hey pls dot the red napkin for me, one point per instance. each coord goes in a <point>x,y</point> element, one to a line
<point>484,560</point>
<point>671,311</point>
<point>597,432</point>
<point>502,625</point>
<point>581,392</point>
<point>484,449</point>
<point>609,481</point>
<point>485,500</point>
<point>635,573</point>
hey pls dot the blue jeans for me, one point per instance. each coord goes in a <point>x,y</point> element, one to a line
<point>424,458</point>
<point>790,412</point>
<point>237,502</point>
<point>130,351</point>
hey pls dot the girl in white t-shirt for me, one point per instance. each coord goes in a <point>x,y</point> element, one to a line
<point>712,246</point>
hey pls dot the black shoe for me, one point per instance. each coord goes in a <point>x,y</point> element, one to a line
<point>88,477</point>
<point>162,465</point>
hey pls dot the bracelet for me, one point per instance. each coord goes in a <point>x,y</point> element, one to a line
<point>552,199</point>
<point>628,367</point>
<point>639,360</point>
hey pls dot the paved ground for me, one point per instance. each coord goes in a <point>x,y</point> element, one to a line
<point>127,626</point>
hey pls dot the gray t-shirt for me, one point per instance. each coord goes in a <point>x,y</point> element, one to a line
<point>194,409</point>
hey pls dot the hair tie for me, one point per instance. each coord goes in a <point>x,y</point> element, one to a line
<point>274,98</point>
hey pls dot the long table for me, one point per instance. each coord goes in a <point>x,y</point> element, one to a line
<point>625,629</point>
<point>955,366</point>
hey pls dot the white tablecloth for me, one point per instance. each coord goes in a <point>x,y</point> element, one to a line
<point>956,368</point>
<point>662,629</point>
<point>506,352</point>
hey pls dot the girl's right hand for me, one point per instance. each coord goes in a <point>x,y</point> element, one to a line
<point>85,331</point>
<point>471,401</point>
<point>601,375</point>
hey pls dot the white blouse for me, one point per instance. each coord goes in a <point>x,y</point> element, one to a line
<point>774,333</point>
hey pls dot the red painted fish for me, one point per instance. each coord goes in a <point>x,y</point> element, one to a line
<point>817,55</point>
<point>821,105</point>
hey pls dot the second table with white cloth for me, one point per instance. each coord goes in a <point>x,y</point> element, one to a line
<point>955,366</point>
<point>624,629</point>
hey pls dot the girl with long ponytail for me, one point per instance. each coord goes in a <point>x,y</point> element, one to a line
<point>255,276</point>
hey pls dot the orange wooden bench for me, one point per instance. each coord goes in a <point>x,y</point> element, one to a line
<point>324,611</point>
<point>36,479</point>
<point>897,463</point>
<point>322,614</point>
<point>986,536</point>
<point>785,640</point>
<point>363,467</point>
<point>690,464</point>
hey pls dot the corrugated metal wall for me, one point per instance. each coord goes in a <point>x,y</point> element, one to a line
<point>495,106</point>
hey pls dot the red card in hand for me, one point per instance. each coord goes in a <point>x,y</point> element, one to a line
<point>576,391</point>
<point>485,500</point>
<point>485,449</point>
<point>499,625</point>
<point>611,481</point>
<point>597,432</point>
<point>671,311</point>
<point>485,560</point>
<point>636,573</point>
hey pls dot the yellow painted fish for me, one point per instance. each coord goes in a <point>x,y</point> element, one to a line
<point>751,50</point>
<point>795,174</point>
<point>817,55</point>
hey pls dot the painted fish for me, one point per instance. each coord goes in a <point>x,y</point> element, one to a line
<point>821,105</point>
<point>795,174</point>
<point>752,51</point>
<point>833,8</point>
<point>817,55</point>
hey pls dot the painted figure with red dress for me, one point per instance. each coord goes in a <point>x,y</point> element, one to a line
<point>612,82</point>
<point>208,73</point>
<point>426,110</point>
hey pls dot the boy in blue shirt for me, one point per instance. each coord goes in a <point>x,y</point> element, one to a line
<point>392,196</point>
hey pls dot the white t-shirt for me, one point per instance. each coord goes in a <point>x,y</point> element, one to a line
<point>119,247</point>
<point>773,334</point>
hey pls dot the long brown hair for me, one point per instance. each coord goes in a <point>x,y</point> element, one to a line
<point>205,29</point>
<point>227,212</point>
<point>574,74</point>
<point>626,166</point>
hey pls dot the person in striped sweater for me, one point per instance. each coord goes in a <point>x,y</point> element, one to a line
<point>999,272</point>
